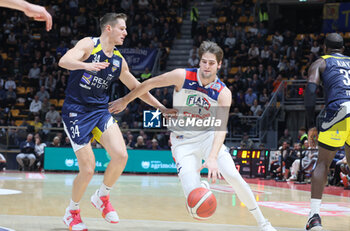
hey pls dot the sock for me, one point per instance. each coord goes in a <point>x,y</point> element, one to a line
<point>315,207</point>
<point>104,190</point>
<point>73,205</point>
<point>258,215</point>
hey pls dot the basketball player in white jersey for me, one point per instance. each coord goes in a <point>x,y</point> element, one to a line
<point>199,93</point>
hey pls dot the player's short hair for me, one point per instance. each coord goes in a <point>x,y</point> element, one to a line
<point>111,19</point>
<point>211,47</point>
<point>334,41</point>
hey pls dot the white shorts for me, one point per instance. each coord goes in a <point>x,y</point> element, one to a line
<point>189,153</point>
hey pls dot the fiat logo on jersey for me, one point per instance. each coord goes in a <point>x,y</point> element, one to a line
<point>193,100</point>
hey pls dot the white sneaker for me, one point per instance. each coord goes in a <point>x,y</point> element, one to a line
<point>205,184</point>
<point>292,178</point>
<point>266,226</point>
<point>73,221</point>
<point>104,205</point>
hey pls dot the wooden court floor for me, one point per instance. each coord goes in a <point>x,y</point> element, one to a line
<point>37,202</point>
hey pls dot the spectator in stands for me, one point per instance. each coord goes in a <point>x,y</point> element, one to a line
<point>230,41</point>
<point>344,174</point>
<point>285,138</point>
<point>2,97</point>
<point>39,151</point>
<point>193,61</point>
<point>34,74</point>
<point>194,16</point>
<point>145,75</point>
<point>10,97</point>
<point>249,97</point>
<point>130,143</point>
<point>253,53</point>
<point>35,106</point>
<point>61,86</point>
<point>42,94</point>
<point>256,108</point>
<point>52,115</point>
<point>46,128</point>
<point>140,144</point>
<point>194,51</point>
<point>27,151</point>
<point>58,123</point>
<point>36,124</point>
<point>302,136</point>
<point>2,163</point>
<point>45,107</point>
<point>155,145</point>
<point>50,84</point>
<point>127,117</point>
<point>67,142</point>
<point>289,158</point>
<point>246,142</point>
<point>10,83</point>
<point>56,142</point>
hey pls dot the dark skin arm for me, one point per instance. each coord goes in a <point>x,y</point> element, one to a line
<point>316,70</point>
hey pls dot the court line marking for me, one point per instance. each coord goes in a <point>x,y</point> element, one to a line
<point>159,221</point>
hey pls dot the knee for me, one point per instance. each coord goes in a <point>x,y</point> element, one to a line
<point>87,171</point>
<point>120,156</point>
<point>19,157</point>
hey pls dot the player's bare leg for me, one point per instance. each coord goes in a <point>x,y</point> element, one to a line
<point>318,181</point>
<point>112,140</point>
<point>86,160</point>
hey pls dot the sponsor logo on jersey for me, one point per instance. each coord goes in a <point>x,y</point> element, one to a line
<point>195,100</point>
<point>116,63</point>
<point>86,78</point>
<point>73,114</point>
<point>216,86</point>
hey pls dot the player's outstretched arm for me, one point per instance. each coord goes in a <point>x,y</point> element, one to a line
<point>175,77</point>
<point>74,58</point>
<point>314,77</point>
<point>222,114</point>
<point>37,12</point>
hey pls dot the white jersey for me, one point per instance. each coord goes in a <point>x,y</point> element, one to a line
<point>196,105</point>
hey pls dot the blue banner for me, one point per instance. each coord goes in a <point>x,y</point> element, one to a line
<point>336,17</point>
<point>139,59</point>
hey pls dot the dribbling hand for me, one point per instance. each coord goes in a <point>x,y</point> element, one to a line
<point>213,171</point>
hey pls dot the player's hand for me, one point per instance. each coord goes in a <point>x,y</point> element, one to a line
<point>39,13</point>
<point>117,106</point>
<point>96,66</point>
<point>213,171</point>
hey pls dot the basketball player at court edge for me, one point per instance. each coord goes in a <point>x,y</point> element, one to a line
<point>94,64</point>
<point>190,146</point>
<point>334,70</point>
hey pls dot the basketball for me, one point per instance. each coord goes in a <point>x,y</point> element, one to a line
<point>201,203</point>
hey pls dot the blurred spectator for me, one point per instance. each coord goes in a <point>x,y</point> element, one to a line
<point>35,106</point>
<point>285,138</point>
<point>2,163</point>
<point>246,142</point>
<point>10,97</point>
<point>145,75</point>
<point>140,144</point>
<point>155,145</point>
<point>249,97</point>
<point>256,108</point>
<point>52,115</point>
<point>130,141</point>
<point>46,127</point>
<point>42,94</point>
<point>67,142</point>
<point>27,152</point>
<point>39,151</point>
<point>10,83</point>
<point>194,19</point>
<point>56,142</point>
<point>36,124</point>
<point>193,61</point>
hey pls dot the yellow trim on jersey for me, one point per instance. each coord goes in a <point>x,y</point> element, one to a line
<point>116,52</point>
<point>97,134</point>
<point>337,135</point>
<point>96,49</point>
<point>336,57</point>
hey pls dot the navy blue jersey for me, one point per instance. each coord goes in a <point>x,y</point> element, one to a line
<point>87,89</point>
<point>336,77</point>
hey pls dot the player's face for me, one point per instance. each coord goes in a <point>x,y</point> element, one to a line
<point>209,65</point>
<point>119,32</point>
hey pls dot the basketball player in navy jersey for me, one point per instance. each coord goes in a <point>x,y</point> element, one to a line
<point>199,93</point>
<point>94,64</point>
<point>334,70</point>
<point>37,12</point>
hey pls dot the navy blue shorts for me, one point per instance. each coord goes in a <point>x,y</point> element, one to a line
<point>84,125</point>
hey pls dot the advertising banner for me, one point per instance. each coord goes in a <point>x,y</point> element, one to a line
<point>139,59</point>
<point>336,17</point>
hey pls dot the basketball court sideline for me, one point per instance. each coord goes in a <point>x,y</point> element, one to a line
<point>35,201</point>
